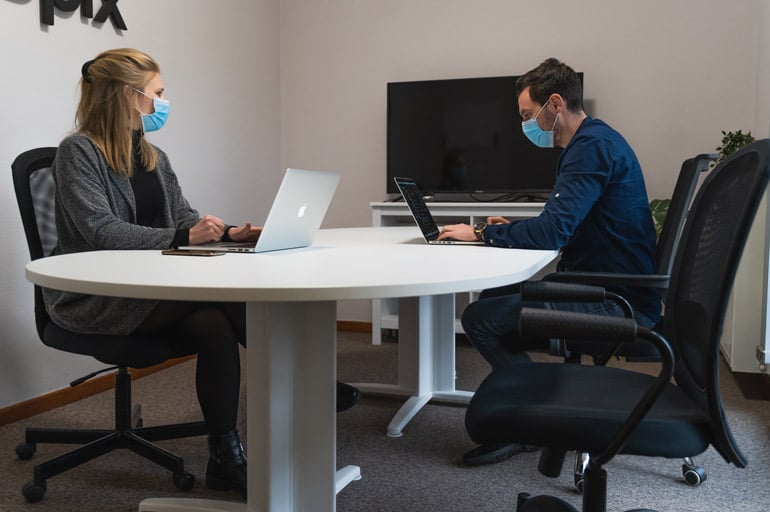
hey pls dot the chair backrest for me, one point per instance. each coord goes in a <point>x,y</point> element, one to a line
<point>710,248</point>
<point>34,187</point>
<point>677,210</point>
<point>35,194</point>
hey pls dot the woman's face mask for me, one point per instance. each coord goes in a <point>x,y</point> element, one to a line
<point>156,120</point>
<point>536,135</point>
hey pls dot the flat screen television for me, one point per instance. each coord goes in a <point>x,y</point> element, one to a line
<point>462,138</point>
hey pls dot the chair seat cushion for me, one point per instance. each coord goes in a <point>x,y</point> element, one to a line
<point>130,351</point>
<point>576,407</point>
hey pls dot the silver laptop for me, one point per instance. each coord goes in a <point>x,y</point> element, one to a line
<point>298,209</point>
<point>421,214</point>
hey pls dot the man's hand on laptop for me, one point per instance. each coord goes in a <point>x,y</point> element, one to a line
<point>462,232</point>
<point>245,233</point>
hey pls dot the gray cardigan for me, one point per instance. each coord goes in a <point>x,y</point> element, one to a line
<point>96,210</point>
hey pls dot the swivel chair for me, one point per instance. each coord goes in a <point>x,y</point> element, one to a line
<point>668,240</point>
<point>565,407</point>
<point>34,189</point>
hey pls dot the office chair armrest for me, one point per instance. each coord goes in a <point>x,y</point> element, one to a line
<point>551,291</point>
<point>543,323</point>
<point>557,291</point>
<point>610,279</point>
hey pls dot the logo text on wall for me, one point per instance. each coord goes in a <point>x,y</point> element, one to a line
<point>109,9</point>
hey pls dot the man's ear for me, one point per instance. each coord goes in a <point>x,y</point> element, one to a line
<point>557,103</point>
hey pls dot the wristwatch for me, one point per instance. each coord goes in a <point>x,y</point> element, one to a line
<point>478,230</point>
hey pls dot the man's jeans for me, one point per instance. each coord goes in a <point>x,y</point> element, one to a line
<point>492,323</point>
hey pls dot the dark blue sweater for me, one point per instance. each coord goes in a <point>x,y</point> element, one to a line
<point>597,214</point>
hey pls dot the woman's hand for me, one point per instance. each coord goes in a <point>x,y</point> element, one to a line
<point>208,229</point>
<point>245,233</point>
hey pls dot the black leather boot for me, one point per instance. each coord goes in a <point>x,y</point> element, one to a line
<point>226,469</point>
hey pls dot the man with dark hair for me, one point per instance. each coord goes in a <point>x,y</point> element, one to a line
<point>597,215</point>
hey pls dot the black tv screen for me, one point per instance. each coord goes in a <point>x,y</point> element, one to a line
<point>463,136</point>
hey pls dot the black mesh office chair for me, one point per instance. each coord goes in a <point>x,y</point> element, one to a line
<point>34,188</point>
<point>565,407</point>
<point>573,350</point>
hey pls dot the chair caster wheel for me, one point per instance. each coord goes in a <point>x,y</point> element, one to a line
<point>184,482</point>
<point>579,483</point>
<point>527,503</point>
<point>693,475</point>
<point>25,451</point>
<point>33,492</point>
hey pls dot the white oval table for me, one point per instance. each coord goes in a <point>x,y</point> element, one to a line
<point>291,299</point>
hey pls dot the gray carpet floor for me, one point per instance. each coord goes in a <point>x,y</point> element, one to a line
<point>421,471</point>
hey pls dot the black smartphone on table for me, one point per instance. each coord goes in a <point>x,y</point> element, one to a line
<point>191,252</point>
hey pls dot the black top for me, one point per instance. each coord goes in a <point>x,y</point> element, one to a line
<point>149,196</point>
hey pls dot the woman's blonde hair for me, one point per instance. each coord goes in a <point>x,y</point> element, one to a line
<point>107,114</point>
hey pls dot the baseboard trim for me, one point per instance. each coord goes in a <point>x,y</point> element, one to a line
<point>64,396</point>
<point>353,326</point>
<point>68,395</point>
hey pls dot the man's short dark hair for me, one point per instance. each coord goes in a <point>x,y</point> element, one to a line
<point>552,77</point>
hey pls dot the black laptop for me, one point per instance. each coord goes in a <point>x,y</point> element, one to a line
<point>421,214</point>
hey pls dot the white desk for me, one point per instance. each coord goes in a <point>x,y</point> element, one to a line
<point>291,323</point>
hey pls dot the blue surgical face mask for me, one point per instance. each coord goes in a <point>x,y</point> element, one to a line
<point>156,120</point>
<point>539,137</point>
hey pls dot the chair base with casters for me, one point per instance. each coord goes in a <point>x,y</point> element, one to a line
<point>692,474</point>
<point>128,433</point>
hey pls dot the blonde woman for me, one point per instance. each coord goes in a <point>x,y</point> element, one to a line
<point>114,190</point>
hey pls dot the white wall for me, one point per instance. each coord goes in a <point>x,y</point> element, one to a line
<point>257,86</point>
<point>220,65</point>
<point>762,111</point>
<point>668,75</point>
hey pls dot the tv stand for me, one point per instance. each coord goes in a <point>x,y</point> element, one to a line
<point>533,197</point>
<point>388,213</point>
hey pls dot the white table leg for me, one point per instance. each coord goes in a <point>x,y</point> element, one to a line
<point>189,505</point>
<point>343,477</point>
<point>426,358</point>
<point>291,383</point>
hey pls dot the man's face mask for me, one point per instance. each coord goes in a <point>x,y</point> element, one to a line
<point>536,135</point>
<point>156,120</point>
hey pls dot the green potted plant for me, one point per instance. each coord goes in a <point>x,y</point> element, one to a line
<point>731,142</point>
<point>659,208</point>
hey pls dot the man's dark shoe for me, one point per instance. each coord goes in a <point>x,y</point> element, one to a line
<point>494,453</point>
<point>347,396</point>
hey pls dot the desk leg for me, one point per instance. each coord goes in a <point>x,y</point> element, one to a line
<point>291,375</point>
<point>426,358</point>
<point>291,407</point>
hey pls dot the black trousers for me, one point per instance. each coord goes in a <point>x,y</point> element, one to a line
<point>213,330</point>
